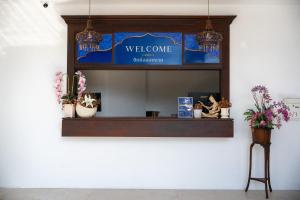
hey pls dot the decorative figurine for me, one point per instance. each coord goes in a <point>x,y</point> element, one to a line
<point>225,105</point>
<point>213,110</point>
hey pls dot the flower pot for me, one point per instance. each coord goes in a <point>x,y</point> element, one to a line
<point>69,110</point>
<point>261,135</point>
<point>197,113</point>
<point>85,112</point>
<point>224,113</point>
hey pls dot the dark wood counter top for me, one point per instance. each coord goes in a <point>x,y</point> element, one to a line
<point>146,127</point>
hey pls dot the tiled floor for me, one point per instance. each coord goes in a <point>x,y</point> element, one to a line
<point>106,194</point>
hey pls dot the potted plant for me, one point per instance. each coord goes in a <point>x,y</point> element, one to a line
<point>198,110</point>
<point>68,105</point>
<point>266,115</point>
<point>69,99</point>
<point>86,106</point>
<point>225,105</point>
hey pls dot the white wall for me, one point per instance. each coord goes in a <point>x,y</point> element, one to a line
<point>264,50</point>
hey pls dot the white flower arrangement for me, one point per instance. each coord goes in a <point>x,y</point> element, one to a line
<point>87,101</point>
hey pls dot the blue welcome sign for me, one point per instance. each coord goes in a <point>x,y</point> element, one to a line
<point>148,48</point>
<point>143,48</point>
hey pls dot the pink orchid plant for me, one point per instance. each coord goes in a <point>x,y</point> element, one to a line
<point>58,86</point>
<point>70,96</point>
<point>267,113</point>
<point>81,83</point>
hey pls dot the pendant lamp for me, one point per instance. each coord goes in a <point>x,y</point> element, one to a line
<point>89,39</point>
<point>209,39</point>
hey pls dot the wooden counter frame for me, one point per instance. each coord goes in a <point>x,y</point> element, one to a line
<point>160,127</point>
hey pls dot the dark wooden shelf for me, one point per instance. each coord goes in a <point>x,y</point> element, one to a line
<point>146,127</point>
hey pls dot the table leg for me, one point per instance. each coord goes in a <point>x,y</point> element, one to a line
<point>269,180</point>
<point>266,171</point>
<point>250,167</point>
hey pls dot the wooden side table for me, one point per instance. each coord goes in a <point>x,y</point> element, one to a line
<point>266,180</point>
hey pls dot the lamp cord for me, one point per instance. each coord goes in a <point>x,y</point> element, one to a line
<point>89,8</point>
<point>208,9</point>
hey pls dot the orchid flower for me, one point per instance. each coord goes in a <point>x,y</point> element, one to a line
<point>69,94</point>
<point>81,83</point>
<point>267,114</point>
<point>58,86</point>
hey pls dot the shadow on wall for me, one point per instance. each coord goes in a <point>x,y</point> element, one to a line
<point>28,23</point>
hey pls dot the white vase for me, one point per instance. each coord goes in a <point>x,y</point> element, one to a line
<point>69,110</point>
<point>197,113</point>
<point>85,112</point>
<point>224,113</point>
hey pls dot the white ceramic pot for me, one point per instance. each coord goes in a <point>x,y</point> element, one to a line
<point>68,110</point>
<point>197,113</point>
<point>85,112</point>
<point>224,113</point>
